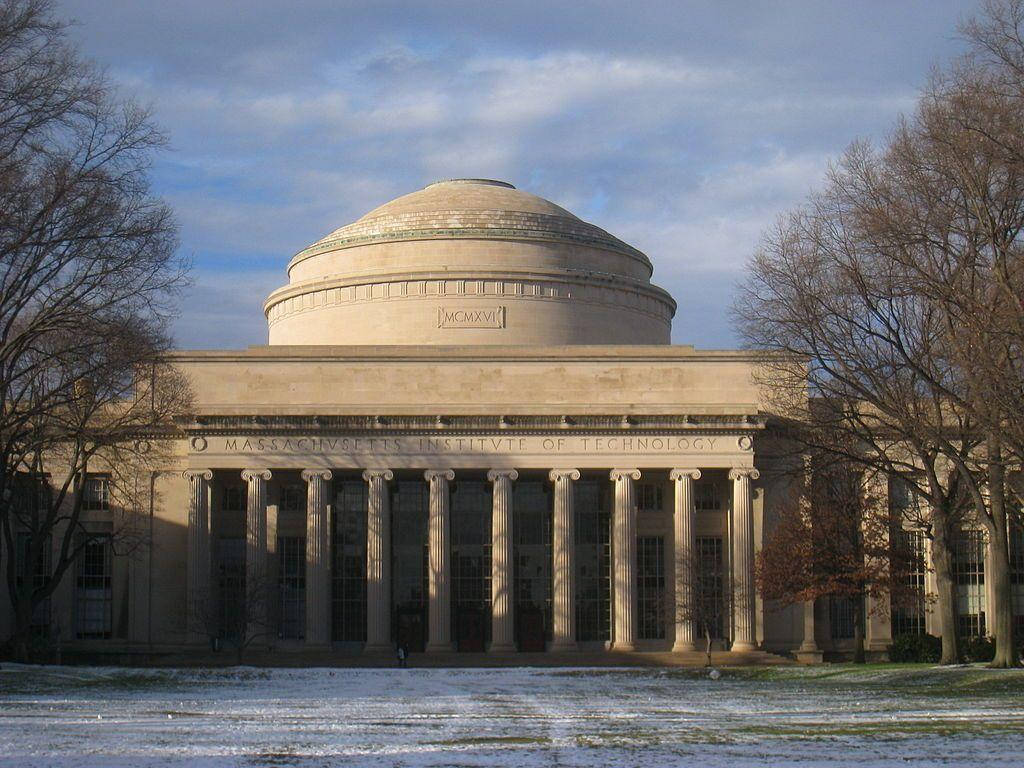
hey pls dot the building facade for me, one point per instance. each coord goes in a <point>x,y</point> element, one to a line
<point>469,432</point>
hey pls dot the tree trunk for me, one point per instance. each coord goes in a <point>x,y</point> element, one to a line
<point>858,629</point>
<point>999,561</point>
<point>942,561</point>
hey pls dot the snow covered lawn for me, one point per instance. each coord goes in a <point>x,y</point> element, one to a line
<point>63,716</point>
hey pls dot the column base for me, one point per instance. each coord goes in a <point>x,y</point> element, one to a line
<point>743,646</point>
<point>439,648</point>
<point>624,647</point>
<point>878,645</point>
<point>684,646</point>
<point>502,648</point>
<point>379,648</point>
<point>563,646</point>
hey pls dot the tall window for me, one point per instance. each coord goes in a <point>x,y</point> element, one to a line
<point>649,497</point>
<point>1017,578</point>
<point>908,615</point>
<point>840,617</point>
<point>409,520</point>
<point>93,595</point>
<point>229,556</point>
<point>471,562</point>
<point>710,586</point>
<point>37,573</point>
<point>531,505</point>
<point>96,492</point>
<point>291,552</point>
<point>706,496</point>
<point>593,561</point>
<point>969,576</point>
<point>348,617</point>
<point>650,569</point>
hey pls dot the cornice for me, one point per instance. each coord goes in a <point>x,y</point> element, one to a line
<point>220,424</point>
<point>403,353</point>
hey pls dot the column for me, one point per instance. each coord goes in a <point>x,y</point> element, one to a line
<point>743,599</point>
<point>200,616</point>
<point>624,558</point>
<point>684,556</point>
<point>877,608</point>
<point>502,619</point>
<point>808,652</point>
<point>258,589</point>
<point>318,557</point>
<point>563,546</point>
<point>439,568</point>
<point>378,560</point>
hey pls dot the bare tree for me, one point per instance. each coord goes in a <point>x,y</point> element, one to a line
<point>241,614</point>
<point>88,276</point>
<point>701,598</point>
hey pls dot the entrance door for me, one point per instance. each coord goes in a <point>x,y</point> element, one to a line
<point>470,626</point>
<point>410,630</point>
<point>531,630</point>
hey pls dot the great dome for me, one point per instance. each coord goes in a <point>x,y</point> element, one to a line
<point>469,261</point>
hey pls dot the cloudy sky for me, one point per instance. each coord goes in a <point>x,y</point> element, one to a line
<point>682,127</point>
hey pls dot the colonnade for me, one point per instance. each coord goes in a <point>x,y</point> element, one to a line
<point>378,629</point>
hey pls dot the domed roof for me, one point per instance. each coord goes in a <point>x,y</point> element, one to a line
<point>476,208</point>
<point>469,261</point>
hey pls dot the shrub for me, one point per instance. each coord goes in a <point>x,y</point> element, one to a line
<point>977,648</point>
<point>922,649</point>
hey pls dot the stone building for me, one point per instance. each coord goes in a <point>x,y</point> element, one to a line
<point>469,431</point>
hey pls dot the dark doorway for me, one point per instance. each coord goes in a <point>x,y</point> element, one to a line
<point>531,630</point>
<point>470,630</point>
<point>410,629</point>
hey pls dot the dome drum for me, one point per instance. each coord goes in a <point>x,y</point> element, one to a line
<point>469,262</point>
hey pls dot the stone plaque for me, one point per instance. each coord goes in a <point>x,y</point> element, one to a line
<point>471,317</point>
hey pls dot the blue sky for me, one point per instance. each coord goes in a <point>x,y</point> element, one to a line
<point>683,128</point>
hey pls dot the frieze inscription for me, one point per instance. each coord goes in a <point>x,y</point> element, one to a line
<point>471,317</point>
<point>458,445</point>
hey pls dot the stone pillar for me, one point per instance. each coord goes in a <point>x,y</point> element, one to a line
<point>808,652</point>
<point>684,554</point>
<point>877,624</point>
<point>563,546</point>
<point>503,625</point>
<point>199,605</point>
<point>743,597</point>
<point>439,570</point>
<point>318,557</point>
<point>624,558</point>
<point>258,587</point>
<point>378,560</point>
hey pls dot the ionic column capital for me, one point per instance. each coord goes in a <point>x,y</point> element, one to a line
<point>202,474</point>
<point>737,473</point>
<point>374,474</point>
<point>439,474</point>
<point>509,474</point>
<point>317,474</point>
<point>682,474</point>
<point>255,474</point>
<point>622,474</point>
<point>563,474</point>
